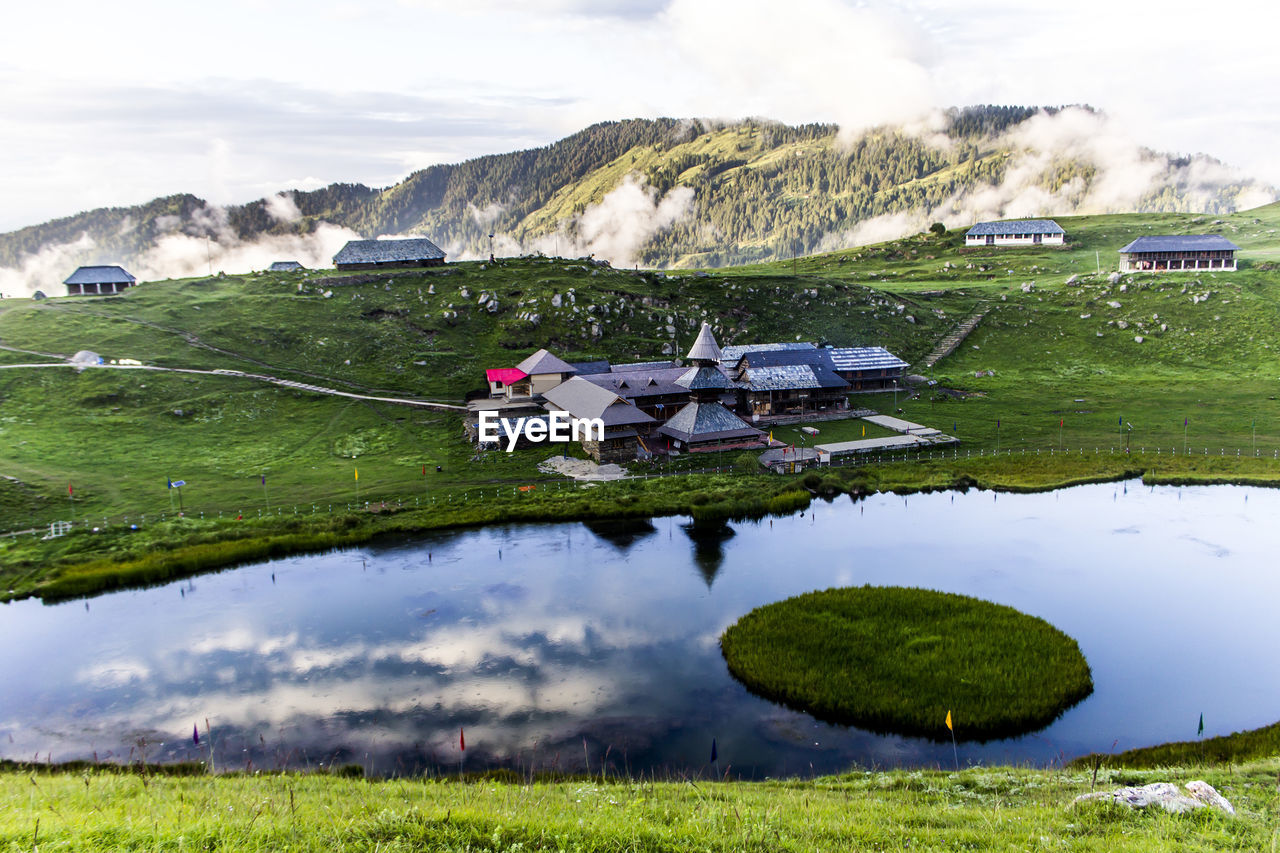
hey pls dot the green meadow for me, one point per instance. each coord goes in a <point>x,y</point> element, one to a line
<point>1051,389</point>
<point>91,808</point>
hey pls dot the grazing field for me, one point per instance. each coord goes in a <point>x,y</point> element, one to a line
<point>909,661</point>
<point>1054,367</point>
<point>90,808</point>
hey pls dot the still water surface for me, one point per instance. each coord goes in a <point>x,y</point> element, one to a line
<point>555,645</point>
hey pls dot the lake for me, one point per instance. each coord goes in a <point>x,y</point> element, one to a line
<point>570,646</point>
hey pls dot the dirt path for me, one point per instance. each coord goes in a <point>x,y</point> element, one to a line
<point>259,377</point>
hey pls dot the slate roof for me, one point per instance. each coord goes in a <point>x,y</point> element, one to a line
<point>865,358</point>
<point>388,251</point>
<point>544,362</point>
<point>641,365</point>
<point>707,422</point>
<point>791,377</point>
<point>704,378</point>
<point>1185,243</point>
<point>774,358</point>
<point>285,266</point>
<point>1009,227</point>
<point>100,275</point>
<point>705,347</point>
<point>733,354</point>
<point>634,384</point>
<point>589,368</point>
<point>584,399</point>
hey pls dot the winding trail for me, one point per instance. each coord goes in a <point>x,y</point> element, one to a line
<point>259,377</point>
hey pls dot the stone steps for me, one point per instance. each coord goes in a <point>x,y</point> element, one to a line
<point>953,340</point>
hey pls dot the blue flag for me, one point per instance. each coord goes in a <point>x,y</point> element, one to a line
<point>264,479</point>
<point>1184,421</point>
<point>195,735</point>
<point>169,481</point>
<point>713,749</point>
<point>1200,730</point>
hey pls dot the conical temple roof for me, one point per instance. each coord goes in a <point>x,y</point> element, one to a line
<point>704,378</point>
<point>705,347</point>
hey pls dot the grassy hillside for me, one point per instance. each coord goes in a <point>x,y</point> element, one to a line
<point>1060,370</point>
<point>986,809</point>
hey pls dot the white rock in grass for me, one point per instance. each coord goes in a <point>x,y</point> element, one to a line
<point>1207,794</point>
<point>1137,339</point>
<point>1165,795</point>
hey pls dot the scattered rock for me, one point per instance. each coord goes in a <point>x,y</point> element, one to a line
<point>1113,304</point>
<point>1073,279</point>
<point>1114,278</point>
<point>1124,288</point>
<point>1165,795</point>
<point>1137,339</point>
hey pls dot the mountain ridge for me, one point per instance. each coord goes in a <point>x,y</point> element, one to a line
<point>663,193</point>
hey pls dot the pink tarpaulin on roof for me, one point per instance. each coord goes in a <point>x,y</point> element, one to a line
<point>505,375</point>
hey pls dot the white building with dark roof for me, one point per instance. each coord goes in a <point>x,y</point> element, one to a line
<point>95,281</point>
<point>1174,253</point>
<point>372,254</point>
<point>1016,232</point>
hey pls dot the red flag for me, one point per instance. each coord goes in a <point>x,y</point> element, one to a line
<point>462,740</point>
<point>69,489</point>
<point>424,470</point>
<point>1061,421</point>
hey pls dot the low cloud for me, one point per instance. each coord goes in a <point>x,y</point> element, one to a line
<point>1125,177</point>
<point>202,243</point>
<point>282,208</point>
<point>616,229</point>
<point>215,247</point>
<point>46,269</point>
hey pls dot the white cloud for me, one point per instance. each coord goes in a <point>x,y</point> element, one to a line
<point>80,133</point>
<point>46,269</point>
<point>282,208</point>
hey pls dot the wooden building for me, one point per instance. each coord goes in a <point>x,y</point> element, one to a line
<point>868,368</point>
<point>651,387</point>
<point>1174,253</point>
<point>623,422</point>
<point>788,382</point>
<point>374,254</point>
<point>1016,232</point>
<point>704,423</point>
<point>95,281</point>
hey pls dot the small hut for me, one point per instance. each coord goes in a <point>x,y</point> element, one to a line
<point>372,254</point>
<point>95,281</point>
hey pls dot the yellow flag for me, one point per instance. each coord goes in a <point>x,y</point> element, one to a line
<point>771,436</point>
<point>357,473</point>
<point>949,720</point>
<point>864,430</point>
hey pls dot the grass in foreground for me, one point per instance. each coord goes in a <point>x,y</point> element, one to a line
<point>977,809</point>
<point>900,660</point>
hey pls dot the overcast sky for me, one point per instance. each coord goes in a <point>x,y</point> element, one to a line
<point>116,103</point>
